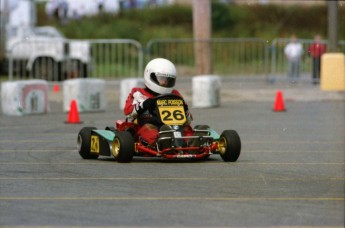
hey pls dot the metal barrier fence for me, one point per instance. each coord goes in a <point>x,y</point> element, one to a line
<point>57,60</point>
<point>229,56</point>
<point>112,59</point>
<point>121,58</point>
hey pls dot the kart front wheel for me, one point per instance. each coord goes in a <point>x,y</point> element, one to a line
<point>84,143</point>
<point>229,145</point>
<point>123,147</point>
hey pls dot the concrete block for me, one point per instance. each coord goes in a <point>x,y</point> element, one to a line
<point>89,94</point>
<point>206,91</point>
<point>126,87</point>
<point>24,97</point>
<point>333,72</point>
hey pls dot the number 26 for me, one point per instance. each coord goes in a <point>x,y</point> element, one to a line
<point>175,115</point>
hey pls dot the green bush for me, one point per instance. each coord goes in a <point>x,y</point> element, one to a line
<point>174,15</point>
<point>222,18</point>
<point>228,20</point>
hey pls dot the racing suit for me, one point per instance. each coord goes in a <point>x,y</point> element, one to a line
<point>148,124</point>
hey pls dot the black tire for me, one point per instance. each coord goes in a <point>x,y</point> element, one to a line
<point>84,143</point>
<point>76,69</point>
<point>229,146</point>
<point>19,68</point>
<point>123,147</point>
<point>45,68</point>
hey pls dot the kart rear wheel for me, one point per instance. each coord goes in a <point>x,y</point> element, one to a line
<point>229,146</point>
<point>84,143</point>
<point>123,147</point>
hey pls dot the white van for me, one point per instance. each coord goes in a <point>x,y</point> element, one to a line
<point>44,53</point>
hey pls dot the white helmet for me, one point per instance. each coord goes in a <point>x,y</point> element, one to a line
<point>160,76</point>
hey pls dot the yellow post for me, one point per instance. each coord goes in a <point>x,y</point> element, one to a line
<point>333,72</point>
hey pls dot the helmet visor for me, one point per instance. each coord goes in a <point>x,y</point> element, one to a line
<point>163,80</point>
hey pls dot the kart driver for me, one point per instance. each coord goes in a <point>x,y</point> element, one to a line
<point>159,78</point>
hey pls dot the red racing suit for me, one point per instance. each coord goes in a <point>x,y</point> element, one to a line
<point>317,49</point>
<point>148,130</point>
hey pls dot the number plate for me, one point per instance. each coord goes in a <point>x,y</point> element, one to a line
<point>94,144</point>
<point>171,111</point>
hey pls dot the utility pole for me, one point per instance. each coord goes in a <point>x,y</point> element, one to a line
<point>33,17</point>
<point>3,33</point>
<point>202,34</point>
<point>333,25</point>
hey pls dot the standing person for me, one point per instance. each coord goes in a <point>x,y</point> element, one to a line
<point>316,50</point>
<point>60,10</point>
<point>293,52</point>
<point>159,78</point>
<point>100,6</point>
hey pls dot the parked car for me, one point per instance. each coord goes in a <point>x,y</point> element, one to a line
<point>43,52</point>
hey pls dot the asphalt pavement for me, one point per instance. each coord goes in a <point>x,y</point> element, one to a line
<point>290,172</point>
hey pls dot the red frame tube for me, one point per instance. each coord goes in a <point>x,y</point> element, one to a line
<point>206,151</point>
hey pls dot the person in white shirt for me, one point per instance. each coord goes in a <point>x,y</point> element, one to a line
<point>293,52</point>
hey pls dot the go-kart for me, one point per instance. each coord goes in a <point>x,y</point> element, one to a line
<point>123,144</point>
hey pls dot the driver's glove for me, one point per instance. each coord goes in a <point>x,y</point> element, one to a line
<point>148,104</point>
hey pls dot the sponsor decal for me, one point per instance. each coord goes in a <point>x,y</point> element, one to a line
<point>94,144</point>
<point>185,156</point>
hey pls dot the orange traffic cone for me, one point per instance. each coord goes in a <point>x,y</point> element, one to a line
<point>279,103</point>
<point>73,115</point>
